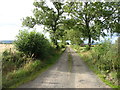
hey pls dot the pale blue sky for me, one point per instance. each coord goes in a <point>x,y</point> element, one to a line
<point>11,13</point>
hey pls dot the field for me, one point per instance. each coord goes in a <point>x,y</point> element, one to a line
<point>6,46</point>
<point>3,47</point>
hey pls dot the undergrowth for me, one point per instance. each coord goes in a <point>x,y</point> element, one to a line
<point>104,60</point>
<point>25,70</point>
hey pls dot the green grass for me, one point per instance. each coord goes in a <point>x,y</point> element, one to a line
<point>70,62</point>
<point>98,73</point>
<point>101,76</point>
<point>29,72</point>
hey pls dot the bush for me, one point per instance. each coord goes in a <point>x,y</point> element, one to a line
<point>106,56</point>
<point>28,71</point>
<point>104,59</point>
<point>12,60</point>
<point>33,44</point>
<point>87,48</point>
<point>61,45</point>
<point>17,75</point>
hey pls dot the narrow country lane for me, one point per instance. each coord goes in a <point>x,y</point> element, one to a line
<point>59,75</point>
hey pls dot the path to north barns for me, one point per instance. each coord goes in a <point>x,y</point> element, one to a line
<point>59,75</point>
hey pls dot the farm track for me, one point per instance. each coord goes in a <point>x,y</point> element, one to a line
<point>59,75</point>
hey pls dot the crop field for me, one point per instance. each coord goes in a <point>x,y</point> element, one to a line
<point>4,47</point>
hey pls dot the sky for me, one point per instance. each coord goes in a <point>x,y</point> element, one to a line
<point>11,13</point>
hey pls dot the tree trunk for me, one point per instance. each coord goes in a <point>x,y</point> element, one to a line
<point>55,41</point>
<point>87,21</point>
<point>54,36</point>
<point>89,41</point>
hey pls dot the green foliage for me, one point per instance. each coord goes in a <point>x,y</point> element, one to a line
<point>87,48</point>
<point>6,52</point>
<point>29,21</point>
<point>17,75</point>
<point>106,56</point>
<point>111,16</point>
<point>74,36</point>
<point>61,45</point>
<point>46,16</point>
<point>84,13</point>
<point>92,18</point>
<point>104,60</point>
<point>78,48</point>
<point>13,60</point>
<point>19,68</point>
<point>33,44</point>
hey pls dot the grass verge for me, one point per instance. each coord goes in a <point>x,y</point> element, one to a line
<point>87,58</point>
<point>29,72</point>
<point>70,62</point>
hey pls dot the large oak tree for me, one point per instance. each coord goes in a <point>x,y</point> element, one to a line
<point>51,18</point>
<point>92,18</point>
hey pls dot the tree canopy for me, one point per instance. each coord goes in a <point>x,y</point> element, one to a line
<point>33,44</point>
<point>91,19</point>
<point>51,18</point>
